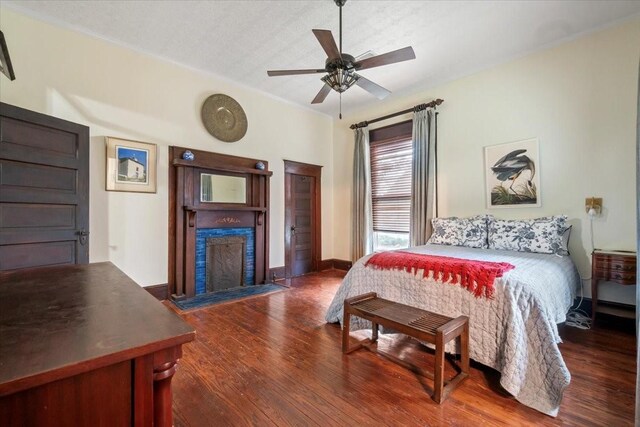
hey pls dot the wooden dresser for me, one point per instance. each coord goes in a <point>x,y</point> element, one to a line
<point>613,266</point>
<point>84,345</point>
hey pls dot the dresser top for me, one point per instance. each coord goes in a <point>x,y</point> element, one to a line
<point>614,252</point>
<point>61,321</point>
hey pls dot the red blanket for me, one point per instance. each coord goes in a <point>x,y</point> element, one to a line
<point>475,276</point>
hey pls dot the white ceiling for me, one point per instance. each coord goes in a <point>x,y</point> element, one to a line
<point>241,40</point>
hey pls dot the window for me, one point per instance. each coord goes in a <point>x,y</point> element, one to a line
<point>391,158</point>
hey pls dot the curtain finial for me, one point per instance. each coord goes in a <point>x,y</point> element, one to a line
<point>359,125</point>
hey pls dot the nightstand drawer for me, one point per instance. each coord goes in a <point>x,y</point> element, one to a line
<point>620,276</point>
<point>615,265</point>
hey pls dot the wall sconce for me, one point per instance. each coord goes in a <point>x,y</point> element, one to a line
<point>593,206</point>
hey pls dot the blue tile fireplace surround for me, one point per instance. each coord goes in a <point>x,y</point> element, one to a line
<point>214,229</point>
<point>202,234</point>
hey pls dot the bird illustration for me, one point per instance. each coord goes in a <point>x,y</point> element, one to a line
<point>512,165</point>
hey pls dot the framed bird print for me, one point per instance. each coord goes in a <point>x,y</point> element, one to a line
<point>512,174</point>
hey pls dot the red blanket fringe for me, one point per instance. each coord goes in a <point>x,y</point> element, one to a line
<point>476,276</point>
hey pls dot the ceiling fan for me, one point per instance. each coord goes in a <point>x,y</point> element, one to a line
<point>340,68</point>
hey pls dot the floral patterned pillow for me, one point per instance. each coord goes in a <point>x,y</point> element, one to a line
<point>566,235</point>
<point>469,232</point>
<point>541,235</point>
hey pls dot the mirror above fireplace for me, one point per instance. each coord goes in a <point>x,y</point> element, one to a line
<point>215,188</point>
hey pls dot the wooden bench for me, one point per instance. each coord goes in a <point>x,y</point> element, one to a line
<point>420,324</point>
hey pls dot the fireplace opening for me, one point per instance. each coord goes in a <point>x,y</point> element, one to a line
<point>225,262</point>
<point>206,256</point>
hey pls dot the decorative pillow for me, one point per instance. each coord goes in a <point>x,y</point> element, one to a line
<point>541,235</point>
<point>564,247</point>
<point>470,232</point>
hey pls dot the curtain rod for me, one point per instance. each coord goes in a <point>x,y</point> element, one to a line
<point>419,107</point>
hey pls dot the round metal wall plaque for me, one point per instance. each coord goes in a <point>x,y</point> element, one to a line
<point>224,118</point>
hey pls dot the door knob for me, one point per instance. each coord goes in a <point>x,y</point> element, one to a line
<point>83,236</point>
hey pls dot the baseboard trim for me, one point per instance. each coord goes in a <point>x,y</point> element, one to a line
<point>277,273</point>
<point>325,264</point>
<point>160,292</point>
<point>338,264</point>
<point>586,304</point>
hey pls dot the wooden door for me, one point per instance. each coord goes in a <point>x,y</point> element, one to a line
<point>302,218</point>
<point>44,190</point>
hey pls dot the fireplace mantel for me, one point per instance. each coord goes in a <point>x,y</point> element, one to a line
<point>224,208</point>
<point>187,213</point>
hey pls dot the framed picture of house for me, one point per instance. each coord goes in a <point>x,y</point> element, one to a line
<point>512,174</point>
<point>131,166</point>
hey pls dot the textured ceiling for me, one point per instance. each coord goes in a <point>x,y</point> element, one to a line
<point>240,40</point>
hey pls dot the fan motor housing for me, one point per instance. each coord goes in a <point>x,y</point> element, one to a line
<point>346,63</point>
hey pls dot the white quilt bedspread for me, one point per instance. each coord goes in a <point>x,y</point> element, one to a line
<point>515,332</point>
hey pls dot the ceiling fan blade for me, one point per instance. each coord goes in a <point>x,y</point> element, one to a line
<point>274,73</point>
<point>371,87</point>
<point>404,54</point>
<point>328,43</point>
<point>322,94</point>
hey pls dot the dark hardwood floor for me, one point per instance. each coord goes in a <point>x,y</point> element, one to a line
<point>272,360</point>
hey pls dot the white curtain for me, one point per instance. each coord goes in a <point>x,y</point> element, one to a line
<point>423,180</point>
<point>362,230</point>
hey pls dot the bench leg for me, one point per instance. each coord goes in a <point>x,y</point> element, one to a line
<point>464,349</point>
<point>346,326</point>
<point>374,332</point>
<point>438,377</point>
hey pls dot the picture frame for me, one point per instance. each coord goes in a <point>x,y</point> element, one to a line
<point>512,174</point>
<point>131,166</point>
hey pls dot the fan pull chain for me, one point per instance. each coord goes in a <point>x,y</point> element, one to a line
<point>340,106</point>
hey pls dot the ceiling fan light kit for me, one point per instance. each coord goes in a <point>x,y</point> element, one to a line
<point>340,79</point>
<point>340,68</point>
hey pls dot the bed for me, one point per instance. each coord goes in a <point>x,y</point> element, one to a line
<point>514,332</point>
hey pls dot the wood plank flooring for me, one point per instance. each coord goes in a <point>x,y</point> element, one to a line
<point>273,361</point>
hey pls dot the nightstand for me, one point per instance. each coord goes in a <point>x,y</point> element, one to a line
<point>613,266</point>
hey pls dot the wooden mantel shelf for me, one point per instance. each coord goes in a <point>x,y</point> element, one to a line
<point>236,169</point>
<point>225,208</point>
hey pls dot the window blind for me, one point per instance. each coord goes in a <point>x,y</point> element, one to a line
<point>391,184</point>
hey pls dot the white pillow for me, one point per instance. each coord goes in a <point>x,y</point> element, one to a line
<point>469,232</point>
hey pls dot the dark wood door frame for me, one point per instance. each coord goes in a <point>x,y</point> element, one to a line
<point>306,169</point>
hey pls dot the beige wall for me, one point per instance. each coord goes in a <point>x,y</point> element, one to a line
<point>118,92</point>
<point>578,99</point>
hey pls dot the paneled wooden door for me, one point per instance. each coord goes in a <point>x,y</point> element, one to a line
<point>302,218</point>
<point>44,190</point>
